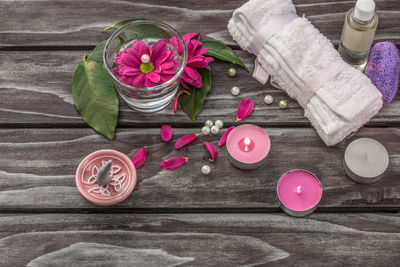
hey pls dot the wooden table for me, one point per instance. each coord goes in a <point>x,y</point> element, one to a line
<point>228,218</point>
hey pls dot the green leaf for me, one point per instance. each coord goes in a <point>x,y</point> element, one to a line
<point>95,97</point>
<point>97,53</point>
<point>122,23</point>
<point>193,103</point>
<point>219,50</point>
<point>139,31</point>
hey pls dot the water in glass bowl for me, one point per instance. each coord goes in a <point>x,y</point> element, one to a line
<point>149,99</point>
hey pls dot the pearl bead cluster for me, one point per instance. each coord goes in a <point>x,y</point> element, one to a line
<point>210,127</point>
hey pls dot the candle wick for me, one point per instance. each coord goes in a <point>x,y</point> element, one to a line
<point>298,189</point>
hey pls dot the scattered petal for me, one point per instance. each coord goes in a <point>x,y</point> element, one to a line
<point>212,149</point>
<point>173,163</point>
<point>184,140</point>
<point>139,158</point>
<point>222,141</point>
<point>175,106</point>
<point>166,132</point>
<point>245,108</point>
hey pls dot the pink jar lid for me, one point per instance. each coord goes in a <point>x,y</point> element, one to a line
<point>123,177</point>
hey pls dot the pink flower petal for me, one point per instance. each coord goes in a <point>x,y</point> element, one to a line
<point>166,132</point>
<point>222,141</point>
<point>154,77</point>
<point>135,81</point>
<point>139,158</point>
<point>175,105</point>
<point>117,71</point>
<point>173,163</point>
<point>130,71</point>
<point>245,108</point>
<point>141,47</point>
<point>148,82</point>
<point>159,50</point>
<point>166,77</point>
<point>212,149</point>
<point>202,51</point>
<point>129,60</point>
<point>184,85</point>
<point>189,36</point>
<point>198,63</point>
<point>167,65</point>
<point>177,44</point>
<point>192,76</point>
<point>184,140</point>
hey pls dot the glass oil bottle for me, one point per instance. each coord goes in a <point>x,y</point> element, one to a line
<point>358,33</point>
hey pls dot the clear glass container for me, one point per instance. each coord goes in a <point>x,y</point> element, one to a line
<point>356,39</point>
<point>145,99</point>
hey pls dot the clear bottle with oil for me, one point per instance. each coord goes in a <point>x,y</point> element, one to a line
<point>358,33</point>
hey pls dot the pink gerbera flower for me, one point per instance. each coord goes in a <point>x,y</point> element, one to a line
<point>196,59</point>
<point>146,65</point>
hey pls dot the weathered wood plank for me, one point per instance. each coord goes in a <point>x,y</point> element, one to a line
<point>36,89</point>
<point>38,166</point>
<point>60,23</point>
<point>199,239</point>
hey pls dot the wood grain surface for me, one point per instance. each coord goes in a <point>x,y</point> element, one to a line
<point>77,23</point>
<point>28,79</point>
<point>199,240</point>
<point>39,167</point>
<point>179,217</point>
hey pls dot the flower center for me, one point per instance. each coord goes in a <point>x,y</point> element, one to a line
<point>146,67</point>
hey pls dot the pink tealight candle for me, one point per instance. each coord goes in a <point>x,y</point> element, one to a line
<point>248,146</point>
<point>299,192</point>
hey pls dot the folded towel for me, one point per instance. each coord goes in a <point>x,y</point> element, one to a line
<point>298,56</point>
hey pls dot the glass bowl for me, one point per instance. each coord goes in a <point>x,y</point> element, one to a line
<point>145,99</point>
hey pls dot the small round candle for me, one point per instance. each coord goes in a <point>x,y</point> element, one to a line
<point>299,192</point>
<point>122,177</point>
<point>248,146</point>
<point>365,160</point>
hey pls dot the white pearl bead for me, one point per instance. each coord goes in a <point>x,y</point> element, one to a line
<point>209,123</point>
<point>214,130</point>
<point>205,130</point>
<point>283,104</point>
<point>145,58</point>
<point>232,72</point>
<point>205,169</point>
<point>268,99</point>
<point>219,123</point>
<point>235,90</point>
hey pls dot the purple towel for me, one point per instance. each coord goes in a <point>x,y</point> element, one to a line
<point>383,69</point>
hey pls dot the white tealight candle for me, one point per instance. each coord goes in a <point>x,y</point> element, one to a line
<point>365,160</point>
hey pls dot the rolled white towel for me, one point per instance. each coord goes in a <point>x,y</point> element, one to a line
<point>298,53</point>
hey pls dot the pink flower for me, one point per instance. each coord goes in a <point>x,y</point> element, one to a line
<point>139,158</point>
<point>196,59</point>
<point>138,70</point>
<point>173,163</point>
